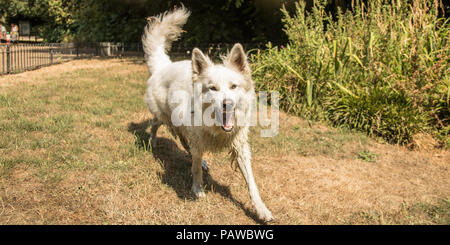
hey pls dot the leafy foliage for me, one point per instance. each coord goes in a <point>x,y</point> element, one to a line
<point>123,20</point>
<point>52,19</point>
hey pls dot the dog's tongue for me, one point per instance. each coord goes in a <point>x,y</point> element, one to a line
<point>227,120</point>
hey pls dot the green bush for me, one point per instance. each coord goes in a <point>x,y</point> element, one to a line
<point>381,68</point>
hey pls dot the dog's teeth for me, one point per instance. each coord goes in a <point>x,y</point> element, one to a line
<point>228,118</point>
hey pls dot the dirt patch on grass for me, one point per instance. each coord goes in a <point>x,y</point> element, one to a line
<point>90,162</point>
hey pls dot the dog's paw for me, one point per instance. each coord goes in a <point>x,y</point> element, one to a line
<point>198,191</point>
<point>265,215</point>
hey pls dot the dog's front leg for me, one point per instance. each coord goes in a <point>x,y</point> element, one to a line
<point>243,157</point>
<point>197,178</point>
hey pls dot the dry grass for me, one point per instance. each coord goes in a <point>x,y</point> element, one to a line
<point>73,150</point>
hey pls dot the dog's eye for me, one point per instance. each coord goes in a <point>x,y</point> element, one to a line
<point>213,88</point>
<point>233,86</point>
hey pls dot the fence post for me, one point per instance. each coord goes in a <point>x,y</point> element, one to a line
<point>51,55</point>
<point>8,59</point>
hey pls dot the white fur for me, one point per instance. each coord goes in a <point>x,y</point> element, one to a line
<point>228,82</point>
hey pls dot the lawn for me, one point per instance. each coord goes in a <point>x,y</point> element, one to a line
<point>74,150</point>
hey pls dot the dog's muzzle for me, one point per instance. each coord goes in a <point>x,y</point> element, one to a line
<point>228,115</point>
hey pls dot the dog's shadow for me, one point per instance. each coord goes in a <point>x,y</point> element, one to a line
<point>177,167</point>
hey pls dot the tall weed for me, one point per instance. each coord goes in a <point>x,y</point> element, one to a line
<point>381,68</point>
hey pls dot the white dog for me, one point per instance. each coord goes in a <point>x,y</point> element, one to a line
<point>226,90</point>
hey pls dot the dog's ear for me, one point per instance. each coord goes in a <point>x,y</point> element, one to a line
<point>238,59</point>
<point>199,62</point>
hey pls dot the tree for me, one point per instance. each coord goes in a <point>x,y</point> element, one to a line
<point>50,18</point>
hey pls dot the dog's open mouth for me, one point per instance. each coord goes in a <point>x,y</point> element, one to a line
<point>227,120</point>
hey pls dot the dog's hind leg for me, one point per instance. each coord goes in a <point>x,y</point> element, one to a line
<point>185,144</point>
<point>243,156</point>
<point>155,126</point>
<point>205,166</point>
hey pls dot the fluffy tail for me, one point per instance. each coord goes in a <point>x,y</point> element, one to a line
<point>159,34</point>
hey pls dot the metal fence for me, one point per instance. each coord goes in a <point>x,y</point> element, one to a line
<point>15,58</point>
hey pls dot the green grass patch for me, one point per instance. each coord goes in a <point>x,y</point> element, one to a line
<point>367,156</point>
<point>414,214</point>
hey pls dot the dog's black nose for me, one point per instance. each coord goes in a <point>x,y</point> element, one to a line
<point>228,104</point>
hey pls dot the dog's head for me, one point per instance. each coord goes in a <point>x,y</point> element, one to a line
<point>227,87</point>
